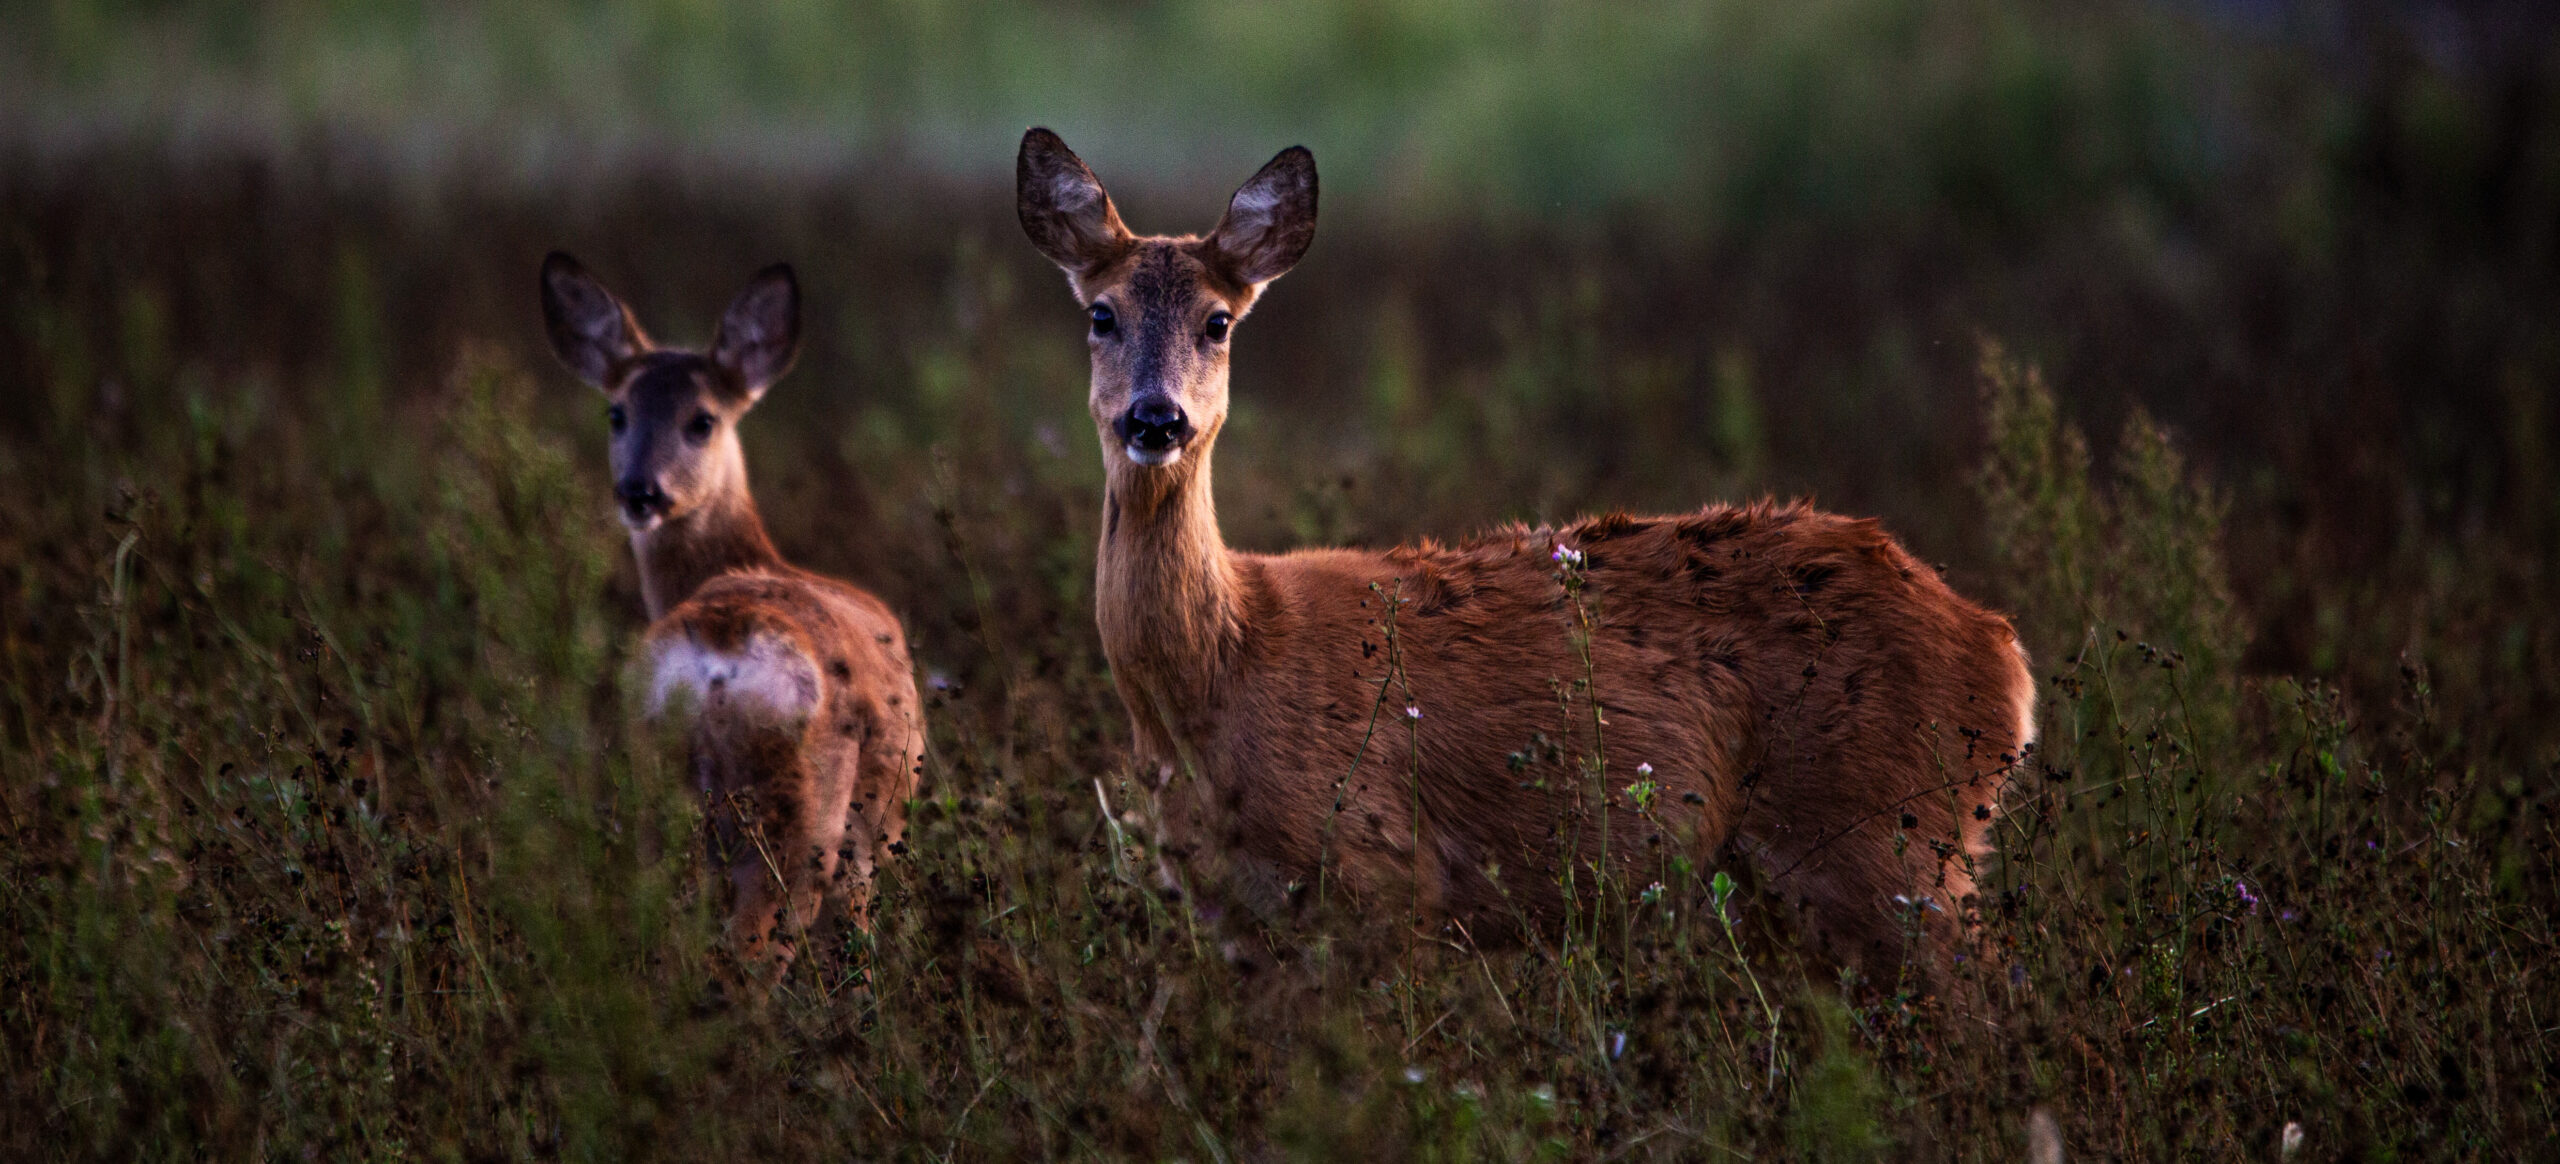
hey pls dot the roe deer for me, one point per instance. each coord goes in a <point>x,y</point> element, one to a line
<point>804,728</point>
<point>1797,683</point>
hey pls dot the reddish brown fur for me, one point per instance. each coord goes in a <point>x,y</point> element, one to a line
<point>804,809</point>
<point>803,794</point>
<point>1799,683</point>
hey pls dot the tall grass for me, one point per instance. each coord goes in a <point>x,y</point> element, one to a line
<point>332,833</point>
<point>329,831</point>
<point>2278,909</point>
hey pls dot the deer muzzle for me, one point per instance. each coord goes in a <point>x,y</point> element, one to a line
<point>642,501</point>
<point>1153,430</point>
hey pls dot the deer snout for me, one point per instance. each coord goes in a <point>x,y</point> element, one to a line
<point>1154,429</point>
<point>642,500</point>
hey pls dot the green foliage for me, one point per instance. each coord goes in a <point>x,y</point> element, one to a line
<point>2236,879</point>
<point>347,843</point>
<point>2094,569</point>
<point>330,832</point>
<point>1839,1102</point>
<point>1848,109</point>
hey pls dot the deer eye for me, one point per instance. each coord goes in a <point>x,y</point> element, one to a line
<point>1104,323</point>
<point>616,419</point>
<point>1219,322</point>
<point>699,428</point>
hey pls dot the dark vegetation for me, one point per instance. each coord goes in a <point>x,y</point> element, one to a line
<point>329,833</point>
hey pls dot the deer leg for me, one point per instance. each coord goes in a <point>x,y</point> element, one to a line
<point>1876,893</point>
<point>882,761</point>
<point>774,832</point>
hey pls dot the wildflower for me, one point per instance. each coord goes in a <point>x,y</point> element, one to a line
<point>1567,557</point>
<point>1644,769</point>
<point>2246,898</point>
<point>2290,1143</point>
<point>1413,1075</point>
<point>1617,1044</point>
<point>1412,712</point>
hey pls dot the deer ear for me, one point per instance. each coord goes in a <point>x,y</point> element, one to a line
<point>759,336</point>
<point>591,331</point>
<point>1271,220</point>
<point>1064,207</point>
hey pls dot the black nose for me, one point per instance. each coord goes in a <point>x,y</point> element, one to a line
<point>1154,424</point>
<point>640,498</point>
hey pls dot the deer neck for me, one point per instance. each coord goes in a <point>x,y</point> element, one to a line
<point>721,536</point>
<point>1169,605</point>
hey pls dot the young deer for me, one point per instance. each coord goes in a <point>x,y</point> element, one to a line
<point>1771,675</point>
<point>803,721</point>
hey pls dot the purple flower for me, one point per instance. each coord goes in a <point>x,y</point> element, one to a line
<point>2246,898</point>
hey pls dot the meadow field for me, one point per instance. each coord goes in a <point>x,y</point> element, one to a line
<point>2217,344</point>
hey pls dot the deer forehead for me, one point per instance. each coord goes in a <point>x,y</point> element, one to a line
<point>1166,278</point>
<point>668,382</point>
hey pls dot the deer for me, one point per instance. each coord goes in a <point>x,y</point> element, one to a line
<point>1490,730</point>
<point>793,689</point>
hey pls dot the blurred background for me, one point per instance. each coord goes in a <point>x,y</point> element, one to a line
<point>1572,257</point>
<point>1629,254</point>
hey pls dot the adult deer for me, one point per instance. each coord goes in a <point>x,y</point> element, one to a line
<point>799,700</point>
<point>1557,702</point>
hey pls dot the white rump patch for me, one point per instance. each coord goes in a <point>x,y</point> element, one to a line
<point>2022,699</point>
<point>2026,697</point>
<point>768,675</point>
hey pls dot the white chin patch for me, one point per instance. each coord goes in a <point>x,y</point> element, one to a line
<point>1152,457</point>
<point>643,525</point>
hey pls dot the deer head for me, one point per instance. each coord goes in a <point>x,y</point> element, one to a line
<point>673,412</point>
<point>1161,310</point>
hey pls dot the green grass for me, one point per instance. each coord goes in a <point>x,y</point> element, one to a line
<point>329,831</point>
<point>1741,112</point>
